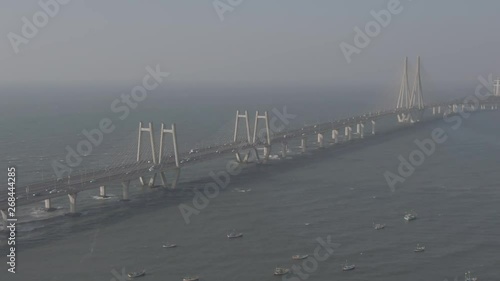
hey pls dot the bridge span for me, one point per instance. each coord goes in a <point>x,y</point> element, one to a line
<point>409,110</point>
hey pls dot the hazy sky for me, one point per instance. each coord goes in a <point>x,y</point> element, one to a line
<point>260,41</point>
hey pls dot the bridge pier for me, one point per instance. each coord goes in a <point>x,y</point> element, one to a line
<point>284,149</point>
<point>125,188</point>
<point>373,127</point>
<point>48,205</point>
<point>176,178</point>
<point>439,109</point>
<point>152,180</point>
<point>348,131</point>
<point>72,203</point>
<point>303,144</point>
<point>320,140</point>
<point>102,191</point>
<point>141,180</point>
<point>360,130</point>
<point>433,110</point>
<point>267,152</point>
<point>335,136</point>
<point>238,157</point>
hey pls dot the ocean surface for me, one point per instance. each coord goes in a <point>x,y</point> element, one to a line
<point>283,208</point>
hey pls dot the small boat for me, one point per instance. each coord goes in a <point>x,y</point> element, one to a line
<point>379,226</point>
<point>419,249</point>
<point>307,223</point>
<point>281,271</point>
<point>410,217</point>
<point>169,245</point>
<point>347,267</point>
<point>468,277</point>
<point>136,274</point>
<point>234,234</point>
<point>191,278</point>
<point>299,257</point>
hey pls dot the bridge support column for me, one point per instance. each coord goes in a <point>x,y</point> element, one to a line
<point>303,144</point>
<point>335,136</point>
<point>284,149</point>
<point>102,191</point>
<point>360,130</point>
<point>141,180</point>
<point>125,188</point>
<point>439,109</point>
<point>152,180</point>
<point>320,140</point>
<point>72,203</point>
<point>267,152</point>
<point>373,127</point>
<point>3,217</point>
<point>238,157</point>
<point>433,110</point>
<point>163,178</point>
<point>455,108</point>
<point>348,131</point>
<point>176,178</point>
<point>48,205</point>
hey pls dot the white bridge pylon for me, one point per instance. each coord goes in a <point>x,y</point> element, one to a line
<point>256,138</point>
<point>412,102</point>
<point>159,160</point>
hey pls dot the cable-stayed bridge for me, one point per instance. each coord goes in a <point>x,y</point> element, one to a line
<point>152,160</point>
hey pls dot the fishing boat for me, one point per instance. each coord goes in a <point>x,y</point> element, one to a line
<point>378,226</point>
<point>299,257</point>
<point>468,277</point>
<point>347,267</point>
<point>419,249</point>
<point>281,271</point>
<point>234,234</point>
<point>410,217</point>
<point>191,278</point>
<point>136,274</point>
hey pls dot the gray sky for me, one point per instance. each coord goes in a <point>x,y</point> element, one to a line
<point>259,41</point>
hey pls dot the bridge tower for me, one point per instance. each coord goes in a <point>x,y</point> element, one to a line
<point>267,143</point>
<point>404,96</point>
<point>153,153</point>
<point>244,116</point>
<point>417,98</point>
<point>172,131</point>
<point>248,140</point>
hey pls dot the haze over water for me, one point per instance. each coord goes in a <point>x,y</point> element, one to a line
<point>339,192</point>
<point>61,78</point>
